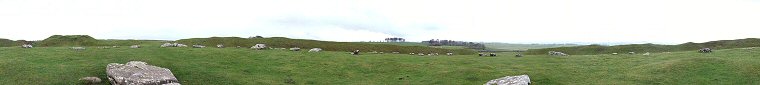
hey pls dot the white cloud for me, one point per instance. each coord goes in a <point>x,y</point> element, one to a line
<point>522,21</point>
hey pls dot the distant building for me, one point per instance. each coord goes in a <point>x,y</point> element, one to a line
<point>395,39</point>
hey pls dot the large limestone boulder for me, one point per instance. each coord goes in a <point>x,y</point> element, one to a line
<point>510,80</point>
<point>139,73</point>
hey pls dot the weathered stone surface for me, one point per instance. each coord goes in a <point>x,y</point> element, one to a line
<point>139,73</point>
<point>295,49</point>
<point>315,50</point>
<point>78,48</point>
<point>555,53</point>
<point>259,46</point>
<point>510,80</point>
<point>705,50</point>
<point>134,46</point>
<point>26,46</point>
<point>90,80</point>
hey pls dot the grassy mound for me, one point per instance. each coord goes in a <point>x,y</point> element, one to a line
<point>84,40</point>
<point>7,43</point>
<point>281,42</point>
<point>69,40</point>
<point>598,49</point>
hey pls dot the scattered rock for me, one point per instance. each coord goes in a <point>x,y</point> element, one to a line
<point>26,46</point>
<point>220,46</point>
<point>555,53</point>
<point>78,48</point>
<point>510,80</point>
<point>139,73</point>
<point>295,49</point>
<point>259,46</point>
<point>705,50</point>
<point>315,49</point>
<point>134,46</point>
<point>90,80</point>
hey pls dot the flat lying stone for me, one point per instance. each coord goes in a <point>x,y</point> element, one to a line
<point>510,80</point>
<point>139,73</point>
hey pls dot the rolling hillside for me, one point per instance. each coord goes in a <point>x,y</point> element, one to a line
<point>640,48</point>
<point>281,42</point>
<point>509,46</point>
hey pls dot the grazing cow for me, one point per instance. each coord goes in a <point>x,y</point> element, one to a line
<point>411,53</point>
<point>259,46</point>
<point>519,55</point>
<point>421,54</point>
<point>198,46</point>
<point>295,49</point>
<point>355,52</point>
<point>134,46</point>
<point>315,49</point>
<point>646,53</point>
<point>220,46</point>
<point>78,48</point>
<point>492,54</point>
<point>705,50</point>
<point>481,54</point>
<point>631,53</point>
<point>555,53</point>
<point>450,54</point>
<point>26,46</point>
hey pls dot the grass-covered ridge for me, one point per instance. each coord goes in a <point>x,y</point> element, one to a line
<point>7,43</point>
<point>599,49</point>
<point>233,66</point>
<point>523,47</point>
<point>281,42</point>
<point>84,40</point>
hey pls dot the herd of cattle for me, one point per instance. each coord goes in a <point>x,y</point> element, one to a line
<point>356,52</point>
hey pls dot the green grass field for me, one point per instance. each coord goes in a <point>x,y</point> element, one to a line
<point>233,66</point>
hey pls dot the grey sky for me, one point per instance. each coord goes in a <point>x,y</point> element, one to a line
<point>514,21</point>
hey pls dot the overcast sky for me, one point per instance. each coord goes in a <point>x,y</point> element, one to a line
<point>512,21</point>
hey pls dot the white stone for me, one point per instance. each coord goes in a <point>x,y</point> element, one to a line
<point>510,80</point>
<point>315,49</point>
